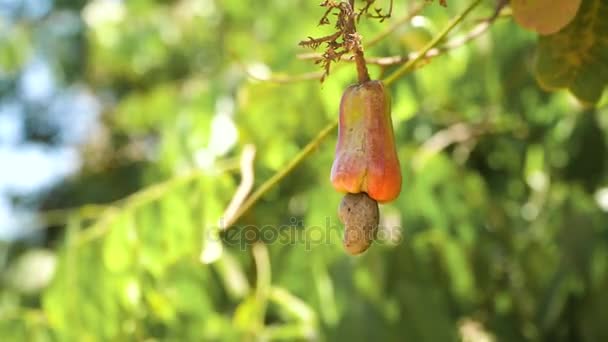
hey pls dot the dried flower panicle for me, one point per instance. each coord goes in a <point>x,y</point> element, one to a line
<point>345,39</point>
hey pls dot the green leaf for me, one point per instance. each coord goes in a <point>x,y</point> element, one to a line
<point>119,245</point>
<point>577,56</point>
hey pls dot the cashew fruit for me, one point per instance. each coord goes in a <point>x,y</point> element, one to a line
<point>366,157</point>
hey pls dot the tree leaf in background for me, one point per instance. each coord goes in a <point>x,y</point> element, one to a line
<point>577,56</point>
<point>544,16</point>
<point>467,261</point>
<point>33,271</point>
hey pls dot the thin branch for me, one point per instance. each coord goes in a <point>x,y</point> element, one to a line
<point>378,11</point>
<point>406,18</point>
<point>277,177</point>
<point>58,217</point>
<point>247,175</point>
<point>476,32</point>
<point>350,42</point>
<point>50,218</point>
<point>316,42</point>
<point>31,315</point>
<point>455,43</point>
<point>309,76</point>
<point>316,75</point>
<point>261,260</point>
<point>409,66</point>
<point>134,201</point>
<point>282,79</point>
<point>457,133</point>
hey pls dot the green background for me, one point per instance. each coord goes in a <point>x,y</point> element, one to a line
<point>500,232</point>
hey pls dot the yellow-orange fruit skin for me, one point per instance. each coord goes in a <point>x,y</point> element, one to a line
<point>366,157</point>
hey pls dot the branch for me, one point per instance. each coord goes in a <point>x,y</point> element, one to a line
<point>457,133</point>
<point>134,201</point>
<point>58,217</point>
<point>243,189</point>
<point>277,177</point>
<point>409,66</point>
<point>276,78</point>
<point>263,274</point>
<point>406,18</point>
<point>316,75</point>
<point>46,219</point>
<point>454,43</point>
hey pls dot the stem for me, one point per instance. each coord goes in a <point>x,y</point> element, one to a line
<point>277,177</point>
<point>409,66</point>
<point>412,13</point>
<point>454,43</point>
<point>132,202</point>
<point>56,217</point>
<point>263,281</point>
<point>244,188</point>
<point>362,73</point>
<point>318,56</point>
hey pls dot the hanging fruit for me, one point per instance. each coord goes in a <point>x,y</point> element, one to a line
<point>366,157</point>
<point>365,166</point>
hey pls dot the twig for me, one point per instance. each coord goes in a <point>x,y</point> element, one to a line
<point>263,281</point>
<point>457,42</point>
<point>409,66</point>
<point>58,217</point>
<point>276,78</point>
<point>277,177</point>
<point>477,31</point>
<point>406,18</point>
<point>134,201</point>
<point>456,133</point>
<point>243,189</point>
<point>346,30</point>
<point>310,76</point>
<point>378,15</point>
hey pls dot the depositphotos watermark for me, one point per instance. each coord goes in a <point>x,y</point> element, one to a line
<point>299,233</point>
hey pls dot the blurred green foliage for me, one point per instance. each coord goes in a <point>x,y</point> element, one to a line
<point>501,228</point>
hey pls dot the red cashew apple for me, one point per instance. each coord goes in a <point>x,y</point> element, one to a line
<point>366,158</point>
